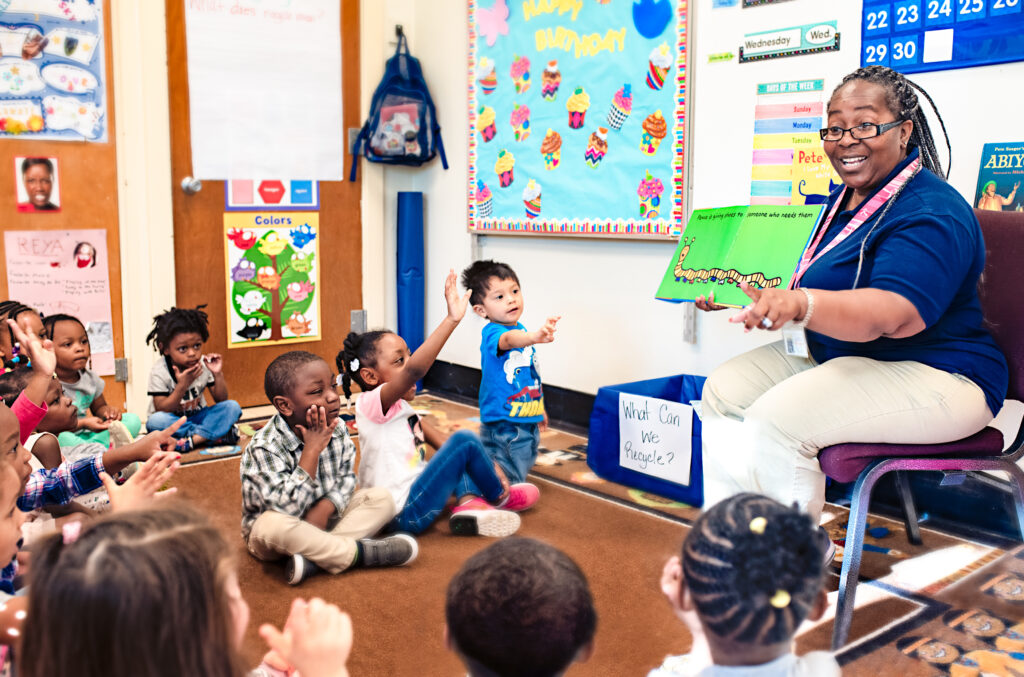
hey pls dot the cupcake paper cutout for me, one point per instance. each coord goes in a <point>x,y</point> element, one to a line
<point>660,61</point>
<point>577,106</point>
<point>622,106</point>
<point>503,167</point>
<point>650,191</point>
<point>484,200</point>
<point>531,199</point>
<point>551,78</point>
<point>520,121</point>
<point>487,75</point>
<point>485,123</point>
<point>596,148</point>
<point>551,149</point>
<point>521,73</point>
<point>655,129</point>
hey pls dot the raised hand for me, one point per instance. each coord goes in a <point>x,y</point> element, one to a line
<point>40,351</point>
<point>214,362</point>
<point>456,304</point>
<point>142,487</point>
<point>316,640</point>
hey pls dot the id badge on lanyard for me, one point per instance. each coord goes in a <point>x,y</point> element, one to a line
<point>794,339</point>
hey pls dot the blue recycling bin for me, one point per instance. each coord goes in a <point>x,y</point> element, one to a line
<point>603,441</point>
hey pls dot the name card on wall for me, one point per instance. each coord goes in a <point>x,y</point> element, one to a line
<point>654,437</point>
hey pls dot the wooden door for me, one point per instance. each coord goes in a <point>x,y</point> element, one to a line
<point>198,226</point>
<point>87,175</point>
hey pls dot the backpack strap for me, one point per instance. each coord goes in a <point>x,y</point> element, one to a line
<point>356,152</point>
<point>440,145</point>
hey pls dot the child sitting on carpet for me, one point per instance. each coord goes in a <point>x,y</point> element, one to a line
<point>751,572</point>
<point>97,420</point>
<point>392,437</point>
<point>519,607</point>
<point>178,379</point>
<point>179,610</point>
<point>299,496</point>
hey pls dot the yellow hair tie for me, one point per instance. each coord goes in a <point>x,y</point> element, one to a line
<point>758,524</point>
<point>780,600</point>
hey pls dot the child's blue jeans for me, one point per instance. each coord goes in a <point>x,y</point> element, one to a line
<point>460,464</point>
<point>512,445</point>
<point>211,422</point>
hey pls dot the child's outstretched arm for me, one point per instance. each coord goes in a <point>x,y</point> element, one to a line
<point>517,338</point>
<point>142,487</point>
<point>420,361</point>
<point>44,361</point>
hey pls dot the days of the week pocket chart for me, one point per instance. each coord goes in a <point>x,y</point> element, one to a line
<point>913,36</point>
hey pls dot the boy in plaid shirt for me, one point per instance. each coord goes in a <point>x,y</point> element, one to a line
<point>299,496</point>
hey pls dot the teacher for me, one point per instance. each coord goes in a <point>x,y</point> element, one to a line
<point>885,296</point>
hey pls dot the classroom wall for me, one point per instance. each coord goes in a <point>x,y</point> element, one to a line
<point>612,328</point>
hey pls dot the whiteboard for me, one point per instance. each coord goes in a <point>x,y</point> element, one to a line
<point>977,104</point>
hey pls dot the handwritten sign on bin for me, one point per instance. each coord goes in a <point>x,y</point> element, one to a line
<point>654,437</point>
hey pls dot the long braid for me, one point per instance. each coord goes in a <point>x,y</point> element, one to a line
<point>903,102</point>
<point>753,568</point>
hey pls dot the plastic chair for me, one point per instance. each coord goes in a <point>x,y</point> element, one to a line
<point>999,288</point>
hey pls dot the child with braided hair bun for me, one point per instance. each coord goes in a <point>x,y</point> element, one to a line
<point>393,438</point>
<point>751,572</point>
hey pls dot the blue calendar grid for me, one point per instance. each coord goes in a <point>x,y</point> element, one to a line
<point>914,36</point>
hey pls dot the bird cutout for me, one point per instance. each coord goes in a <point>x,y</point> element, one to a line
<point>298,324</point>
<point>244,271</point>
<point>242,237</point>
<point>252,301</point>
<point>492,22</point>
<point>651,17</point>
<point>273,244</point>
<point>302,263</point>
<point>253,329</point>
<point>298,291</point>
<point>302,235</point>
<point>268,278</point>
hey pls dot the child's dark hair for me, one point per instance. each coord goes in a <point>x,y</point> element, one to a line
<point>10,310</point>
<point>174,321</point>
<point>519,607</point>
<point>50,321</point>
<point>477,277</point>
<point>363,349</point>
<point>156,578</point>
<point>280,376</point>
<point>754,569</point>
<point>12,383</point>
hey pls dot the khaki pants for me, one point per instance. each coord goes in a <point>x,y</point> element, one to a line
<point>768,414</point>
<point>275,535</point>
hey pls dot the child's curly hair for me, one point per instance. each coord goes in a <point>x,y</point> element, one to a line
<point>174,321</point>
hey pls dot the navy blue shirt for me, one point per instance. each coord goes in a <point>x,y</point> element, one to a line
<point>928,249</point>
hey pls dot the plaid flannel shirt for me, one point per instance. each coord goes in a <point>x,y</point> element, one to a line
<point>273,480</point>
<point>57,486</point>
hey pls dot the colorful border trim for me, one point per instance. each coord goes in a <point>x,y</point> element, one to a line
<point>658,229</point>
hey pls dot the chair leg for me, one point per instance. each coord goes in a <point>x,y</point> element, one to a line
<point>852,551</point>
<point>910,519</point>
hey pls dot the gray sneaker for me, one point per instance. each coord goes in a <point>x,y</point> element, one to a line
<point>830,546</point>
<point>297,569</point>
<point>393,551</point>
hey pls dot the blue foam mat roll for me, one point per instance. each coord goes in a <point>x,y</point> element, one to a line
<point>411,298</point>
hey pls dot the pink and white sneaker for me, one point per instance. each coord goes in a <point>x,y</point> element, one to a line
<point>521,496</point>
<point>477,517</point>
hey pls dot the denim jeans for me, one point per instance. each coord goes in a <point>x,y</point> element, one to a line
<point>461,463</point>
<point>211,422</point>
<point>512,445</point>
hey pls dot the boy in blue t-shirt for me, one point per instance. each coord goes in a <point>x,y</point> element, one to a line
<point>511,398</point>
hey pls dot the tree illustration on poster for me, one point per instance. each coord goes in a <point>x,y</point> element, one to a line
<point>272,288</point>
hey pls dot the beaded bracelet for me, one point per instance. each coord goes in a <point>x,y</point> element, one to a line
<point>810,309</point>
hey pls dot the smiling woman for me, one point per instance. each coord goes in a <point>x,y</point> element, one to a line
<point>36,194</point>
<point>894,349</point>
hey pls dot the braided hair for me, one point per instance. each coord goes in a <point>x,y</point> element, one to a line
<point>50,321</point>
<point>753,568</point>
<point>358,351</point>
<point>174,321</point>
<point>12,383</point>
<point>902,101</point>
<point>10,310</point>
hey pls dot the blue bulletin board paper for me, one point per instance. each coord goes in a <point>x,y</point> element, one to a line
<point>915,36</point>
<point>577,113</point>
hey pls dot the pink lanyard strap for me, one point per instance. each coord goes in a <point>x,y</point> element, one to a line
<point>863,214</point>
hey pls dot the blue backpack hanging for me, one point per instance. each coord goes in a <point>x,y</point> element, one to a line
<point>402,128</point>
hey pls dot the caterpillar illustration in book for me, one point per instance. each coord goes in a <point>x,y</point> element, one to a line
<point>719,275</point>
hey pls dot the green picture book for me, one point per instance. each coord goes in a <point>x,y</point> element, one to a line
<point>760,245</point>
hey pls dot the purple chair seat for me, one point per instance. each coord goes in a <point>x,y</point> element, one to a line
<point>845,462</point>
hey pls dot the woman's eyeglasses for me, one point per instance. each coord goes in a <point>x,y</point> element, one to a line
<point>866,130</point>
